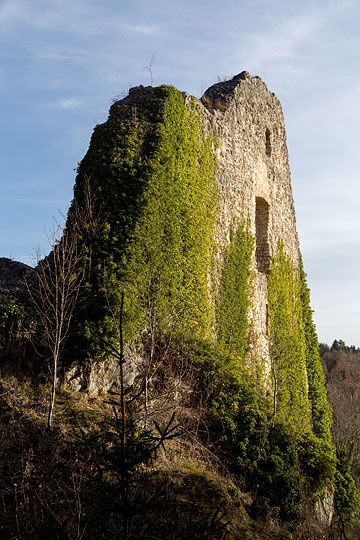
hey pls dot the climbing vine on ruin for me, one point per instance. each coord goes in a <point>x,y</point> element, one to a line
<point>298,397</point>
<point>234,296</point>
<point>287,343</point>
<point>295,361</point>
<point>156,246</point>
<point>320,408</point>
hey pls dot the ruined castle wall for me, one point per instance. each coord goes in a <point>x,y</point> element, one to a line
<point>254,180</point>
<point>253,176</point>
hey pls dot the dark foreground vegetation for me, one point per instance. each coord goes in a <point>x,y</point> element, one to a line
<point>195,456</point>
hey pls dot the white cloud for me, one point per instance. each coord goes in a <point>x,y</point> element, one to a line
<point>291,45</point>
<point>87,18</point>
<point>282,40</point>
<point>144,29</point>
<point>39,15</point>
<point>26,201</point>
<point>69,103</point>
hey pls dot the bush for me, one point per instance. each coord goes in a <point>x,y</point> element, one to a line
<point>279,465</point>
<point>16,328</point>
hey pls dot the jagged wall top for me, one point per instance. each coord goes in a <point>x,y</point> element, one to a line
<point>220,95</point>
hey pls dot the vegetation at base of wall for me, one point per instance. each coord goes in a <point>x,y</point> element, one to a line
<point>271,471</point>
<point>234,296</point>
<point>156,246</point>
<point>52,487</point>
<point>279,466</point>
<point>230,473</point>
<point>298,391</point>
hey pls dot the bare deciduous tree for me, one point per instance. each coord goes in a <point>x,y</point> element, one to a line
<point>60,276</point>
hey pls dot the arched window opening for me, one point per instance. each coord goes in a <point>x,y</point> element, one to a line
<point>262,242</point>
<point>268,142</point>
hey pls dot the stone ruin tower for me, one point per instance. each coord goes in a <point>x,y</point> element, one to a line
<point>197,232</point>
<point>253,176</point>
<point>130,156</point>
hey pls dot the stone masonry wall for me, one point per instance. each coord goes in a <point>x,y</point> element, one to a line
<point>254,181</point>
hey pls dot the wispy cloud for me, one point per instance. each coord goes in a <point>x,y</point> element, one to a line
<point>79,17</point>
<point>59,53</point>
<point>281,42</point>
<point>68,103</point>
<point>27,201</point>
<point>51,16</point>
<point>142,29</point>
<point>289,44</point>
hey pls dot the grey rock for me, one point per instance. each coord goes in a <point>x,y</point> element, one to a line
<point>102,377</point>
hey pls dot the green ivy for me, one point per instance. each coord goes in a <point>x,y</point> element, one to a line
<point>154,187</point>
<point>298,379</point>
<point>233,301</point>
<point>16,327</point>
<point>320,408</point>
<point>287,343</point>
<point>294,347</point>
<point>272,460</point>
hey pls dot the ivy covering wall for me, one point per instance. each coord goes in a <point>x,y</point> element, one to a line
<point>298,384</point>
<point>153,184</point>
<point>234,296</point>
<point>320,408</point>
<point>287,343</point>
<point>295,360</point>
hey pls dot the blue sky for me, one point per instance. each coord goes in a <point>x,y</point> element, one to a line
<point>62,63</point>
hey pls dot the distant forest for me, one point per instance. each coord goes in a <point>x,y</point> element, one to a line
<point>341,365</point>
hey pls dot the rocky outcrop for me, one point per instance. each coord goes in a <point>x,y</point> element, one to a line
<point>105,376</point>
